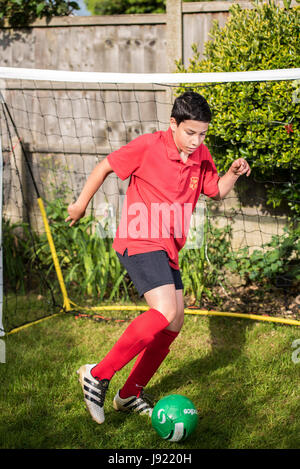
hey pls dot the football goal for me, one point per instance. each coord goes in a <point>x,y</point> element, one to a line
<point>54,128</point>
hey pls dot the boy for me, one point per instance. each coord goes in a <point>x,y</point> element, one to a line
<point>169,170</point>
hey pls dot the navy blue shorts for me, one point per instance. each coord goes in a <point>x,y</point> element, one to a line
<point>150,270</point>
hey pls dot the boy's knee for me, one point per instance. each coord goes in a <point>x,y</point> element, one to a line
<point>180,322</point>
<point>177,323</point>
<point>175,316</point>
<point>169,312</point>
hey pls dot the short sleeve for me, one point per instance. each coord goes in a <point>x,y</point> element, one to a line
<point>128,158</point>
<point>210,186</point>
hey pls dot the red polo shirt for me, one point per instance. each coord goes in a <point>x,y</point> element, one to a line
<point>162,193</point>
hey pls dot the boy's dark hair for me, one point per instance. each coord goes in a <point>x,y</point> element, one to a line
<point>191,106</point>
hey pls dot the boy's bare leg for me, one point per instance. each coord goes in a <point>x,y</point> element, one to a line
<point>169,302</point>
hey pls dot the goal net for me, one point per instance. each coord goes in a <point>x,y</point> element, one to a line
<point>56,126</point>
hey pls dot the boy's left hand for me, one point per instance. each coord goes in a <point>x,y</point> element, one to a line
<point>240,167</point>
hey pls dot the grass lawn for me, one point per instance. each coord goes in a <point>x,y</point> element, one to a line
<point>239,373</point>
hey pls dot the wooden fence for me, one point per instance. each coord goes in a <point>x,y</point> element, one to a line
<point>122,43</point>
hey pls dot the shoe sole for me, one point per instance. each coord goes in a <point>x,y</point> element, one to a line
<point>81,371</point>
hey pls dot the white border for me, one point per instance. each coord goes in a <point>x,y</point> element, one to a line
<point>157,78</point>
<point>2,333</point>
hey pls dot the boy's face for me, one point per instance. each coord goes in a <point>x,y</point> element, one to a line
<point>188,135</point>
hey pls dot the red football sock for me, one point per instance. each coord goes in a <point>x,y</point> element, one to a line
<point>134,339</point>
<point>147,363</point>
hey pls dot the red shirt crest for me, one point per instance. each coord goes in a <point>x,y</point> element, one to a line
<point>194,182</point>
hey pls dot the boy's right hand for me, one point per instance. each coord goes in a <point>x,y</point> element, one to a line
<point>75,211</point>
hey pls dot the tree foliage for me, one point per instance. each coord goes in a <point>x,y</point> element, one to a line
<point>123,7</point>
<point>120,7</point>
<point>23,12</point>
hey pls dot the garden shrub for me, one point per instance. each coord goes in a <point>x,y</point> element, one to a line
<point>257,120</point>
<point>276,264</point>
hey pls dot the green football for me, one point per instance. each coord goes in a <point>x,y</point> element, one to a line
<point>174,417</point>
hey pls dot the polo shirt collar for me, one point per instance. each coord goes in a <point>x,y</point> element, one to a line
<point>173,152</point>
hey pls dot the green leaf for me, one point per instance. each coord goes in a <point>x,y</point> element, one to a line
<point>74,5</point>
<point>40,7</point>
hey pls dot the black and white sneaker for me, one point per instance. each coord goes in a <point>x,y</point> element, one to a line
<point>141,404</point>
<point>94,392</point>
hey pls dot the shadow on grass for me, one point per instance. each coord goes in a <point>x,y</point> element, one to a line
<point>215,383</point>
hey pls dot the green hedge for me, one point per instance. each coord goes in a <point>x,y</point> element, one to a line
<point>259,120</point>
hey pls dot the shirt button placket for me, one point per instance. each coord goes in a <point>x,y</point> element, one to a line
<point>183,173</point>
<point>180,177</point>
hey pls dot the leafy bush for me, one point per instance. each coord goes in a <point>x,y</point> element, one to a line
<point>17,254</point>
<point>22,12</point>
<point>276,264</point>
<point>89,264</point>
<point>122,7</point>
<point>259,120</point>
